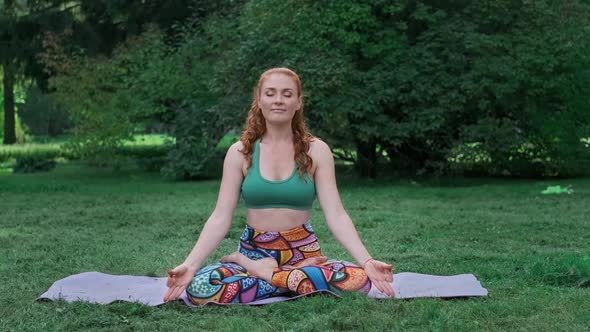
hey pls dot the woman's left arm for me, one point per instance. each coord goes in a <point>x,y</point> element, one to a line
<point>340,224</point>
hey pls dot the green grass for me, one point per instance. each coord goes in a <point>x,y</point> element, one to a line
<point>530,250</point>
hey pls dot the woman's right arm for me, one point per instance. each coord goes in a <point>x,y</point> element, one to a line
<point>216,226</point>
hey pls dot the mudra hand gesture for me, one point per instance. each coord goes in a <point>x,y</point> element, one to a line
<point>178,280</point>
<point>381,275</point>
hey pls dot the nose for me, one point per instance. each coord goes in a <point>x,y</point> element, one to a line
<point>278,99</point>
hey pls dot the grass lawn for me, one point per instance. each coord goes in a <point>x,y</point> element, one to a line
<point>530,250</point>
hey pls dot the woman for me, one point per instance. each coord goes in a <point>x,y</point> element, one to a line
<point>278,167</point>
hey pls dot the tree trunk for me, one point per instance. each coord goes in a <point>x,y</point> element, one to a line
<point>9,114</point>
<point>366,160</point>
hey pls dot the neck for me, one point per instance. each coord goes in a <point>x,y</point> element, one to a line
<point>278,133</point>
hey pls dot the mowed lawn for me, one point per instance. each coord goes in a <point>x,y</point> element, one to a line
<point>531,251</point>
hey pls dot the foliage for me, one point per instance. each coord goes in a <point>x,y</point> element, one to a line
<point>42,115</point>
<point>406,84</point>
<point>31,151</point>
<point>21,24</point>
<point>149,152</point>
<point>33,164</point>
<point>197,132</point>
<point>420,78</point>
<point>145,81</point>
<point>98,93</point>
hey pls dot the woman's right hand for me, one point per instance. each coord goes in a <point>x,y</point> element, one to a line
<point>178,279</point>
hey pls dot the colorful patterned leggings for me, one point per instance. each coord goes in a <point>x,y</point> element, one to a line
<point>230,283</point>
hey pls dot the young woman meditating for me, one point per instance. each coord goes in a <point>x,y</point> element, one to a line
<point>279,168</point>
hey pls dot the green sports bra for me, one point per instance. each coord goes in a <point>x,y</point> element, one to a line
<point>291,193</point>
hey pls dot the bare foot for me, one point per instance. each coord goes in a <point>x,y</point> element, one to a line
<point>234,257</point>
<point>315,260</point>
<point>262,268</point>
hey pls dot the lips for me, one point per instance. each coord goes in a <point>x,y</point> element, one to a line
<point>278,110</point>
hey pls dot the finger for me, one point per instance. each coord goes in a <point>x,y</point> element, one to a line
<point>181,290</point>
<point>379,286</point>
<point>170,281</point>
<point>167,295</point>
<point>390,277</point>
<point>386,267</point>
<point>174,293</point>
<point>388,273</point>
<point>170,294</point>
<point>388,289</point>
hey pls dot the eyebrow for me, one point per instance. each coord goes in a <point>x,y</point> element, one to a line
<point>287,89</point>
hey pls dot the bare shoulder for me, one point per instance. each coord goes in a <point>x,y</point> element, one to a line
<point>234,154</point>
<point>317,145</point>
<point>319,150</point>
<point>236,147</point>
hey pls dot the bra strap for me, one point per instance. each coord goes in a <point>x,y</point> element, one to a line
<point>256,154</point>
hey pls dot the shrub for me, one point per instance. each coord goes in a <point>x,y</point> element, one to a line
<point>31,164</point>
<point>42,115</point>
<point>469,158</point>
<point>198,132</point>
<point>147,157</point>
<point>32,151</point>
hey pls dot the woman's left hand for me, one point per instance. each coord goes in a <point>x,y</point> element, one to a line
<point>381,275</point>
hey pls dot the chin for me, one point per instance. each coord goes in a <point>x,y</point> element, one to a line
<point>278,120</point>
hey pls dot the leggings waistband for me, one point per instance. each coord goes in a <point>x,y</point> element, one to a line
<point>306,227</point>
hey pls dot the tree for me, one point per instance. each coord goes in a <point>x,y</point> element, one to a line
<point>157,75</point>
<point>413,78</point>
<point>95,26</point>
<point>397,83</point>
<point>21,25</point>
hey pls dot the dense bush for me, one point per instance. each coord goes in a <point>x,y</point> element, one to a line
<point>31,164</point>
<point>42,115</point>
<point>40,157</point>
<point>197,132</point>
<point>34,151</point>
<point>529,159</point>
<point>148,157</point>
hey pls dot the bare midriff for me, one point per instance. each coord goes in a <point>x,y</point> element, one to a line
<point>276,219</point>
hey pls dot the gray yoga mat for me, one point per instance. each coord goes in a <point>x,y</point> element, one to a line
<point>96,287</point>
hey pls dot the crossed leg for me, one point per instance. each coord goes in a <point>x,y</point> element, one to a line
<point>312,274</point>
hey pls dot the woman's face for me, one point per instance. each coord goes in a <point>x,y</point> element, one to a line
<point>279,98</point>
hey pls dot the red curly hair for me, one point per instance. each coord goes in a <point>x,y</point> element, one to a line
<point>255,125</point>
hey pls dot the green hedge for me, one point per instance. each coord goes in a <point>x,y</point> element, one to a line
<point>42,157</point>
<point>38,151</point>
<point>525,160</point>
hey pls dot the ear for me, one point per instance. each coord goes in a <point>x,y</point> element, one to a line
<point>300,102</point>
